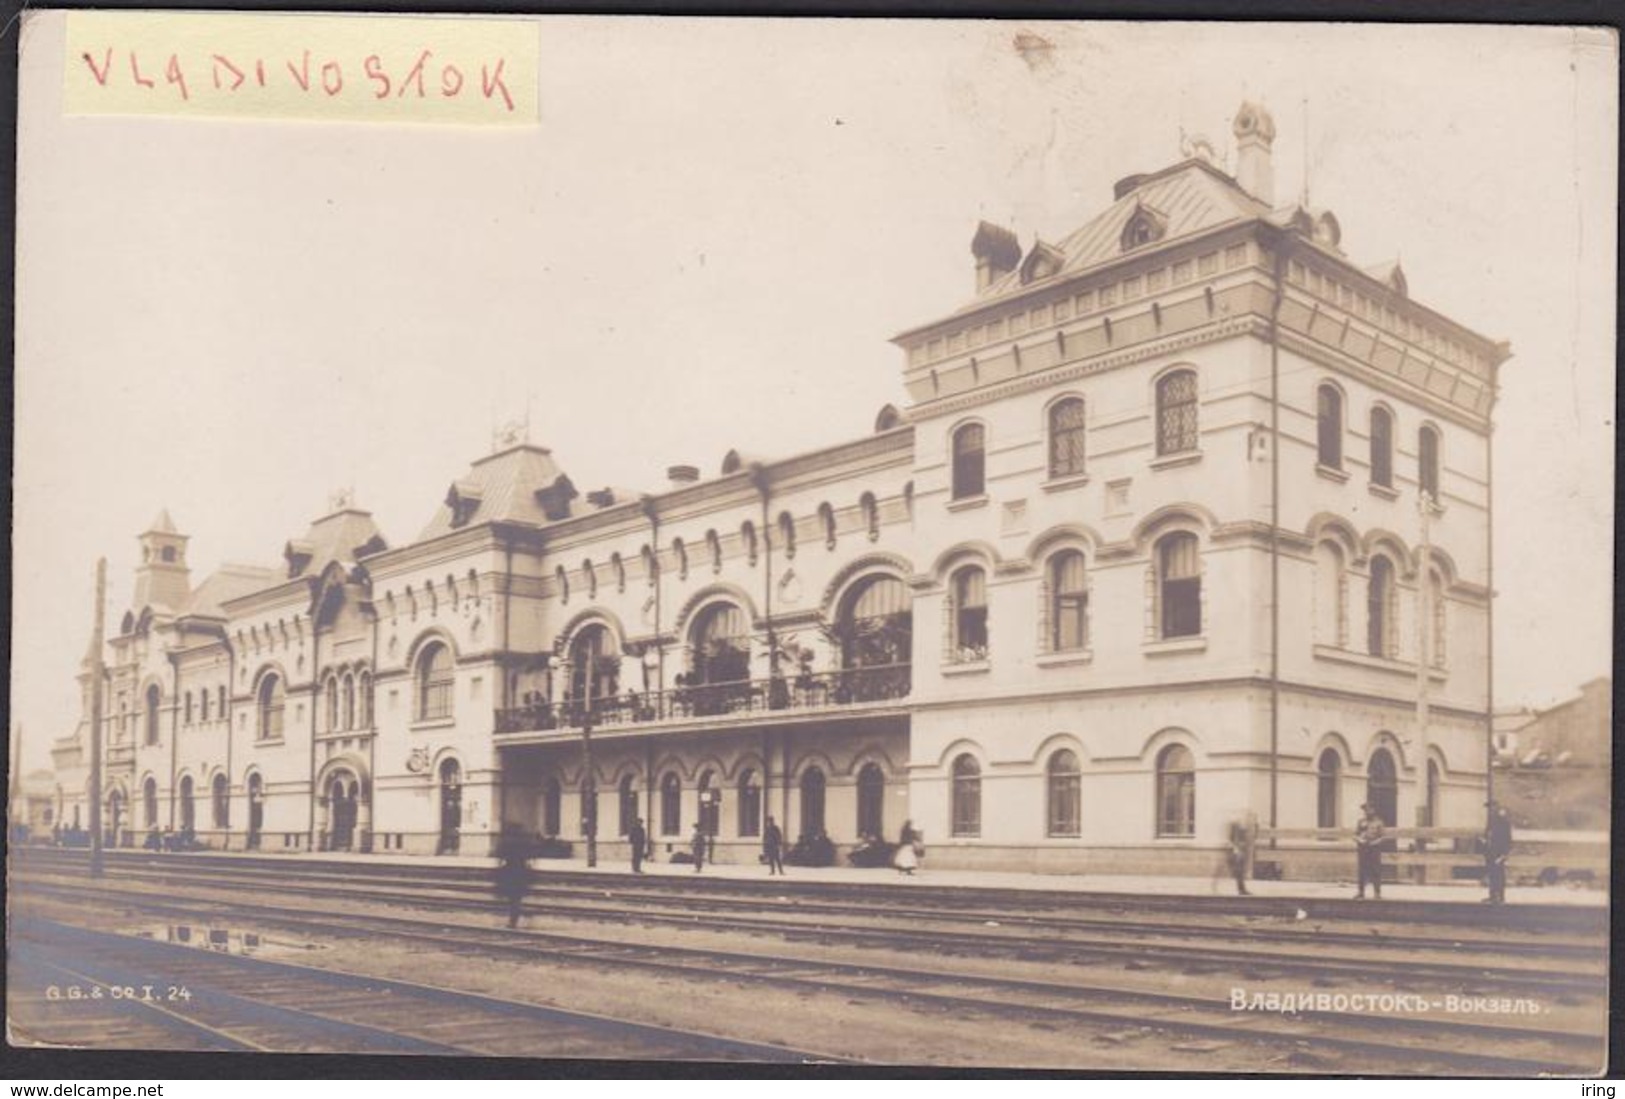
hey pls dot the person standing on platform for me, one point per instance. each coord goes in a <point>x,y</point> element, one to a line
<point>513,871</point>
<point>1368,837</point>
<point>1497,847</point>
<point>697,845</point>
<point>773,847</point>
<point>639,839</point>
<point>909,846</point>
<point>1237,854</point>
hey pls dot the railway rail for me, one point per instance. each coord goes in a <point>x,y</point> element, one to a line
<point>1456,963</point>
<point>1353,1042</point>
<point>232,1002</point>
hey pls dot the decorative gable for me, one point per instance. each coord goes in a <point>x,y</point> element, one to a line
<point>1145,225</point>
<point>1042,262</point>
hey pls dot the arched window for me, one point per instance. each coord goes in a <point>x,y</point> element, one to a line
<point>721,640</point>
<point>1382,447</point>
<point>1329,426</point>
<point>671,805</point>
<point>871,514</point>
<point>1380,597</point>
<point>203,705</point>
<point>617,568</point>
<point>595,667</point>
<point>1329,776</point>
<point>970,462</point>
<point>812,803</point>
<point>1176,412</point>
<point>348,695</point>
<point>627,800</point>
<point>713,549</point>
<point>188,806</point>
<point>220,797</point>
<point>651,564</point>
<point>1382,786</point>
<point>1067,603</point>
<point>273,701</point>
<point>435,680</point>
<point>1427,461</point>
<point>747,538</point>
<point>330,699</point>
<point>680,552</point>
<point>188,707</point>
<point>1066,437</point>
<point>552,806</point>
<point>967,615</point>
<point>1176,791</point>
<point>1430,810</point>
<point>1331,596</point>
<point>153,698</point>
<point>149,802</point>
<point>220,708</point>
<point>1065,794</point>
<point>561,581</point>
<point>709,810</point>
<point>590,575</point>
<point>1439,627</point>
<point>1179,585</point>
<point>875,625</point>
<point>750,804</point>
<point>965,797</point>
<point>787,533</point>
<point>871,800</point>
<point>826,521</point>
<point>364,701</point>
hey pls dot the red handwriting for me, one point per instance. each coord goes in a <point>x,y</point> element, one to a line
<point>229,75</point>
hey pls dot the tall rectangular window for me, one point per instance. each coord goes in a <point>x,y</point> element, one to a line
<point>1176,412</point>
<point>1066,437</point>
<point>1179,585</point>
<point>970,462</point>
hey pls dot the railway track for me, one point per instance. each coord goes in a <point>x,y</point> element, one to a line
<point>1541,922</point>
<point>1437,963</point>
<point>1279,922</point>
<point>1338,1040</point>
<point>213,1001</point>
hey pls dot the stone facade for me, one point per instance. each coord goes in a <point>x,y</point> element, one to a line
<point>1143,555</point>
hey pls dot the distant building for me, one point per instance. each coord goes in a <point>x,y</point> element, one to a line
<point>1578,731</point>
<point>1141,555</point>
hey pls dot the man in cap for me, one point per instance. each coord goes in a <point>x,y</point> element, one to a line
<point>1368,835</point>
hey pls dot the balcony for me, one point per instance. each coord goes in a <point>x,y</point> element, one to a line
<point>808,692</point>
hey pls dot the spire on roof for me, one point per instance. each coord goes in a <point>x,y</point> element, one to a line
<point>163,524</point>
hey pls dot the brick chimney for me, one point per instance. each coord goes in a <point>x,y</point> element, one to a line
<point>997,252</point>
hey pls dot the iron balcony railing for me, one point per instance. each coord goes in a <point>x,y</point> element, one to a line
<point>789,693</point>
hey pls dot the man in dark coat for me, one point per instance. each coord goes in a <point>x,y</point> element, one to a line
<point>697,845</point>
<point>1497,846</point>
<point>773,847</point>
<point>1368,836</point>
<point>639,839</point>
<point>513,871</point>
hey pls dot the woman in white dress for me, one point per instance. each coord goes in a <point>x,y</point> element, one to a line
<point>907,858</point>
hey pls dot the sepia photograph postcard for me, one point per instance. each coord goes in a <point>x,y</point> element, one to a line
<point>947,544</point>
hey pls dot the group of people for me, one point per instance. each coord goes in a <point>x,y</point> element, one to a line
<point>1371,839</point>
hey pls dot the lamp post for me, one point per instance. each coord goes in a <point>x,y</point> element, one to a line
<point>651,665</point>
<point>582,703</point>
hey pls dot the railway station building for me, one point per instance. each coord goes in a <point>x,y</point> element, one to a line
<point>1141,552</point>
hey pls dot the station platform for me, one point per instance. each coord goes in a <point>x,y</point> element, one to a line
<point>1143,884</point>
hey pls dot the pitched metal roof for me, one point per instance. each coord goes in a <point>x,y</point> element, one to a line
<point>1189,198</point>
<point>226,583</point>
<point>506,484</point>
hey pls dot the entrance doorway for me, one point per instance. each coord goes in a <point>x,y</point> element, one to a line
<point>451,807</point>
<point>343,790</point>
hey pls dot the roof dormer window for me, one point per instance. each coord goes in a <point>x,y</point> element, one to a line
<point>463,498</point>
<point>1143,227</point>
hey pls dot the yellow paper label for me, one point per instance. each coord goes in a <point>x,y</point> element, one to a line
<point>336,68</point>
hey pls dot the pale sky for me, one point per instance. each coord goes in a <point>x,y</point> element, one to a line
<point>707,243</point>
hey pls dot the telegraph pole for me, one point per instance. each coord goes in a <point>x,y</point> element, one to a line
<point>96,722</point>
<point>1424,658</point>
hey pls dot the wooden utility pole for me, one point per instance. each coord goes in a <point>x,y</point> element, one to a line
<point>96,722</point>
